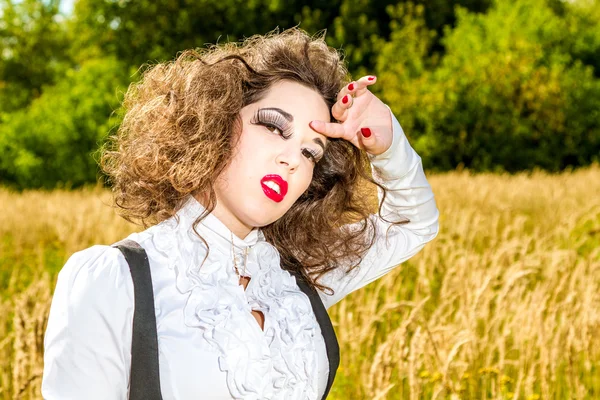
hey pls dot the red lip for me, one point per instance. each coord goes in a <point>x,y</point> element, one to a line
<point>273,195</point>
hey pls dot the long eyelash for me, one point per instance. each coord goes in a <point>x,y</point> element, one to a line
<point>272,119</point>
<point>313,155</point>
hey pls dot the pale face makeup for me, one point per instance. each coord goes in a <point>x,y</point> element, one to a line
<point>274,158</point>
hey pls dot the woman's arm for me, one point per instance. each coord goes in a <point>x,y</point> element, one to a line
<point>366,122</point>
<point>87,346</point>
<point>409,196</point>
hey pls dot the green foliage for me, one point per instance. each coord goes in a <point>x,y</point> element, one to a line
<point>33,50</point>
<point>143,31</point>
<point>509,93</point>
<point>485,84</point>
<point>403,58</point>
<point>583,40</point>
<point>51,141</point>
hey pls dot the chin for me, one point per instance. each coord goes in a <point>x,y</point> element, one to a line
<point>258,217</point>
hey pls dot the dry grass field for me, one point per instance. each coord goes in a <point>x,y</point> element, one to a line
<point>504,304</point>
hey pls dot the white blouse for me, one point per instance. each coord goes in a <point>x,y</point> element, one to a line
<point>210,346</point>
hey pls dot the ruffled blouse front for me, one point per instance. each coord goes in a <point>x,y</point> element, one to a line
<point>279,362</point>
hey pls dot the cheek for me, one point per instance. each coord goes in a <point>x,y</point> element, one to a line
<point>302,183</point>
<point>246,153</point>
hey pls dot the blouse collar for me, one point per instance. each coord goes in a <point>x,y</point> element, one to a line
<point>216,229</point>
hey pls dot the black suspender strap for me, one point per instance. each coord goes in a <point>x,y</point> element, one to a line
<point>144,382</point>
<point>331,344</point>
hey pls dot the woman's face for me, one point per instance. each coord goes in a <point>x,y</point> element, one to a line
<point>273,160</point>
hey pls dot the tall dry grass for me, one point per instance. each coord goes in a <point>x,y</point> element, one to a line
<point>504,304</point>
<point>38,232</point>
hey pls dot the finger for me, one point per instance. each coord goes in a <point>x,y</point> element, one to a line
<point>372,141</point>
<point>366,138</point>
<point>363,83</point>
<point>329,129</point>
<point>348,89</point>
<point>340,108</point>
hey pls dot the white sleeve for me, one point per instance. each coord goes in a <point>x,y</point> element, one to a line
<point>409,196</point>
<point>87,345</point>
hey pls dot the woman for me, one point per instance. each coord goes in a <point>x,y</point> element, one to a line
<point>246,162</point>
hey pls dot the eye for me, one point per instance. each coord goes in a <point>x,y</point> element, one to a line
<point>311,155</point>
<point>272,128</point>
<point>273,121</point>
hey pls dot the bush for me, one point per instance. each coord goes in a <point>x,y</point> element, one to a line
<point>51,142</point>
<point>509,93</point>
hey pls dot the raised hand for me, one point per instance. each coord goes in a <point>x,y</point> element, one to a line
<point>364,120</point>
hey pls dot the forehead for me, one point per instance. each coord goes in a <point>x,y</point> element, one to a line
<point>302,102</point>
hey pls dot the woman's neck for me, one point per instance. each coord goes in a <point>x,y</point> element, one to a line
<point>227,218</point>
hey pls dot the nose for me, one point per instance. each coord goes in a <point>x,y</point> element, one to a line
<point>289,159</point>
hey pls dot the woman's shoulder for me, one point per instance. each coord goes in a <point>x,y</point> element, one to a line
<point>90,319</point>
<point>96,270</point>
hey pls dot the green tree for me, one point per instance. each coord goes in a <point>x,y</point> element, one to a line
<point>33,50</point>
<point>52,141</point>
<point>491,85</point>
<point>508,94</point>
<point>143,30</point>
<point>404,61</point>
<point>583,24</point>
<point>140,31</point>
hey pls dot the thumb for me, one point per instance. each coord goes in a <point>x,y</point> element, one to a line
<point>369,142</point>
<point>366,133</point>
<point>367,139</point>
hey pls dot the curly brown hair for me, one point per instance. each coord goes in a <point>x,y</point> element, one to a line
<point>166,147</point>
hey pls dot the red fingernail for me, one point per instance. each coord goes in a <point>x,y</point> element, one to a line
<point>371,78</point>
<point>345,99</point>
<point>366,132</point>
<point>351,86</point>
